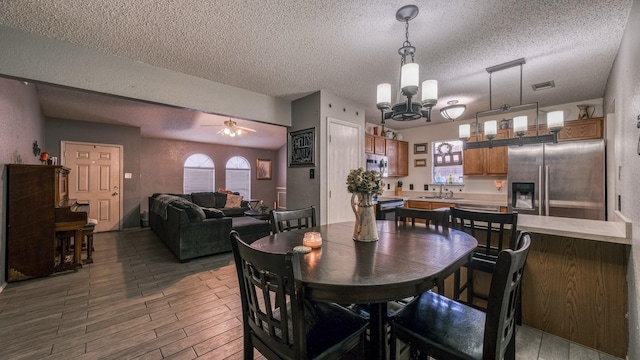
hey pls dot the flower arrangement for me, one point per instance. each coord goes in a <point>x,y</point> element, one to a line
<point>365,181</point>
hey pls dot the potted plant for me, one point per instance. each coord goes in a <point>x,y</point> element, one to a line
<point>363,185</point>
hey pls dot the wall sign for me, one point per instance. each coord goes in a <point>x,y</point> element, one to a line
<point>302,147</point>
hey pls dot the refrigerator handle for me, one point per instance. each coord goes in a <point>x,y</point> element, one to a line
<point>546,190</point>
<point>540,190</point>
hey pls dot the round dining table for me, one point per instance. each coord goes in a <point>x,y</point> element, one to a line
<point>405,261</point>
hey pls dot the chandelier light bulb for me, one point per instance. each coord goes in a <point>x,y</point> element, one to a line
<point>384,94</point>
<point>430,91</point>
<point>491,129</point>
<point>410,79</point>
<point>464,131</point>
<point>520,124</point>
<point>555,121</point>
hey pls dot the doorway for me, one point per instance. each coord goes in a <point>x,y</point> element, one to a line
<point>345,151</point>
<point>95,180</point>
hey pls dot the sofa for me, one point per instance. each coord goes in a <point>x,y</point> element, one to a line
<point>198,224</point>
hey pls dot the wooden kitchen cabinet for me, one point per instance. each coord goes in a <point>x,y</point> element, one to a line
<point>428,205</point>
<point>487,161</point>
<point>398,155</point>
<point>586,129</point>
<point>368,144</point>
<point>374,144</point>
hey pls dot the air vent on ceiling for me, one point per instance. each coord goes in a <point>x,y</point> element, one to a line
<point>543,85</point>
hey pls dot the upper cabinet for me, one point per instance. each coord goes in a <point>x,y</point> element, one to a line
<point>374,145</point>
<point>398,155</point>
<point>487,161</point>
<point>582,129</point>
<point>586,129</point>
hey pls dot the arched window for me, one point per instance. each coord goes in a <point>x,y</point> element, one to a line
<point>238,176</point>
<point>199,174</point>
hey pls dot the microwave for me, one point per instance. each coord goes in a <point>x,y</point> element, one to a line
<point>378,163</point>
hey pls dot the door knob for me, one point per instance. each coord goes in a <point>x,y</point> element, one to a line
<point>114,194</point>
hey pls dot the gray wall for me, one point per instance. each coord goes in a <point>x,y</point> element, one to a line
<point>163,160</point>
<point>57,130</point>
<point>20,125</point>
<point>622,105</point>
<point>313,111</point>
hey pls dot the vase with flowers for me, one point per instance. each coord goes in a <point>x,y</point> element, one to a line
<point>363,185</point>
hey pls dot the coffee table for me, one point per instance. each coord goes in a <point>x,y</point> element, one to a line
<point>258,214</point>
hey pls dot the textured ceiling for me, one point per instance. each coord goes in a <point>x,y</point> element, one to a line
<point>290,48</point>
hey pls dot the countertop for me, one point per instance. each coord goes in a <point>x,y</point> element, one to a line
<point>618,232</point>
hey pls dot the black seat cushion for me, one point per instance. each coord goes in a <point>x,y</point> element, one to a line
<point>329,325</point>
<point>442,322</point>
<point>247,225</point>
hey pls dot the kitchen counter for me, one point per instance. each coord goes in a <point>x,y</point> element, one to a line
<point>617,232</point>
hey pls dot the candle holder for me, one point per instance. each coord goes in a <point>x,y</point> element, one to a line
<point>312,239</point>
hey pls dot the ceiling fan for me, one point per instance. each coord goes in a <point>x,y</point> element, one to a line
<point>231,128</point>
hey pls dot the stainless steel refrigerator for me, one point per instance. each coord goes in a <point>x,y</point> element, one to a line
<point>566,179</point>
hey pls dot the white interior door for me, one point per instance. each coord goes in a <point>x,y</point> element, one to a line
<point>95,179</point>
<point>345,152</point>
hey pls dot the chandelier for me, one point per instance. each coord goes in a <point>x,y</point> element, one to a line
<point>555,120</point>
<point>409,81</point>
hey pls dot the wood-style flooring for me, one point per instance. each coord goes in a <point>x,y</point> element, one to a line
<point>137,302</point>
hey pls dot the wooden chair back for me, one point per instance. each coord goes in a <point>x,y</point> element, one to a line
<point>278,321</point>
<point>431,217</point>
<point>501,311</point>
<point>494,231</point>
<point>271,308</point>
<point>285,220</point>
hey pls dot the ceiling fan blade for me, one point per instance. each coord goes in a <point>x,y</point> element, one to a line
<point>246,128</point>
<point>208,125</point>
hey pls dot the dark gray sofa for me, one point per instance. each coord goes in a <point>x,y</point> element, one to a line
<point>189,233</point>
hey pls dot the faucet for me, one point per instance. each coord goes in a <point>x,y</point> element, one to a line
<point>440,193</point>
<point>449,194</point>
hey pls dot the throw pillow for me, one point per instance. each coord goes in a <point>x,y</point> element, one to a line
<point>213,213</point>
<point>223,191</point>
<point>233,201</point>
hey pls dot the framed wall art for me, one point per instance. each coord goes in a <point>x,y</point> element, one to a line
<point>263,169</point>
<point>302,147</point>
<point>420,148</point>
<point>420,162</point>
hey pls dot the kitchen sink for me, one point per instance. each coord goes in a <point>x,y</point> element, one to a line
<point>436,197</point>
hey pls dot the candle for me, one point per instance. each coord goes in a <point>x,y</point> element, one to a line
<point>312,239</point>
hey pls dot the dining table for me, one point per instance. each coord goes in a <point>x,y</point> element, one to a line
<point>404,262</point>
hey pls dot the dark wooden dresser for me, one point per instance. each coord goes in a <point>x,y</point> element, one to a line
<point>37,205</point>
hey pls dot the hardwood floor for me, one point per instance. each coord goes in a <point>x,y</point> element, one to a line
<point>137,302</point>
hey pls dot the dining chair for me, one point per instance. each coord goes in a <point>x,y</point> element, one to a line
<point>495,232</point>
<point>437,218</point>
<point>446,329</point>
<point>285,220</point>
<point>278,321</point>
